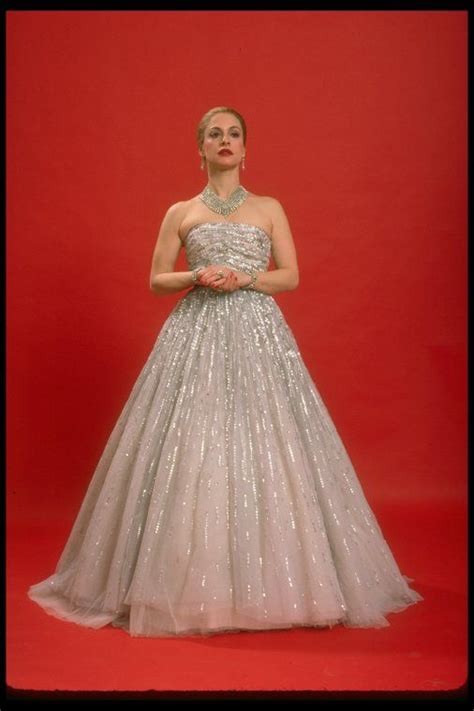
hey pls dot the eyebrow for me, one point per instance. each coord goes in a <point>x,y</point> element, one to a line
<point>219,129</point>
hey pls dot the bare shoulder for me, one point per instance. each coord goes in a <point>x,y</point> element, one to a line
<point>184,214</point>
<point>265,200</point>
<point>268,204</point>
<point>175,215</point>
<point>177,210</point>
<point>275,211</point>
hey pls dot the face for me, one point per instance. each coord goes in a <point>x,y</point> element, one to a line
<point>223,132</point>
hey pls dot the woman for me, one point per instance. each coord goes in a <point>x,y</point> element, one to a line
<point>222,138</point>
<point>224,499</point>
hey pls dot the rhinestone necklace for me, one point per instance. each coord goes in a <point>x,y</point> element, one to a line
<point>224,207</point>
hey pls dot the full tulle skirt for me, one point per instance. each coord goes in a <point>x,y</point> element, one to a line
<point>224,499</point>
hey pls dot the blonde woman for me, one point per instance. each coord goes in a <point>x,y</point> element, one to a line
<point>224,499</point>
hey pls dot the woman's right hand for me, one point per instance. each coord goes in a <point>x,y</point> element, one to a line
<point>228,282</point>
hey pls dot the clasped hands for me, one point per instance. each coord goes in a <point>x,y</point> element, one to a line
<point>231,280</point>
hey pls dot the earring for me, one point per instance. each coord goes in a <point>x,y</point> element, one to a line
<point>243,163</point>
<point>202,163</point>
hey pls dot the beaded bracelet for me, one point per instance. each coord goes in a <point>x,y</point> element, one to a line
<point>251,284</point>
<point>195,274</point>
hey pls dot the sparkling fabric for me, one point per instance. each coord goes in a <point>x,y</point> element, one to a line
<point>224,498</point>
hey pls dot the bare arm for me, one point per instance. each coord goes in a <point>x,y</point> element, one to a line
<point>163,278</point>
<point>285,276</point>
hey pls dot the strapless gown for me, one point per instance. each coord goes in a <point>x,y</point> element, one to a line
<point>224,499</point>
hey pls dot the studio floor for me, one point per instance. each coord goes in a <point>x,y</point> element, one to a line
<point>423,649</point>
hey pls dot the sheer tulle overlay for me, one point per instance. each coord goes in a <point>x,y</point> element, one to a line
<point>224,499</point>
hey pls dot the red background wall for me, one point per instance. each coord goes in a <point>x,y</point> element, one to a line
<point>356,123</point>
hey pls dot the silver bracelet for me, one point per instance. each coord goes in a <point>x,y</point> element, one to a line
<point>195,274</point>
<point>251,284</point>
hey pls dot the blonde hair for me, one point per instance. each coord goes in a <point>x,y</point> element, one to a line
<point>206,119</point>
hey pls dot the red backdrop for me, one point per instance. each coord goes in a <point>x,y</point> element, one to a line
<point>356,123</point>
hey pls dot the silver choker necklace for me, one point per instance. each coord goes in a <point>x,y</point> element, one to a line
<point>224,207</point>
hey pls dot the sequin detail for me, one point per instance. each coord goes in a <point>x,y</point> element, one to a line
<point>224,498</point>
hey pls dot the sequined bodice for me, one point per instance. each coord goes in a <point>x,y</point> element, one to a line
<point>238,245</point>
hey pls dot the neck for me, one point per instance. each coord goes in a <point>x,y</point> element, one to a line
<point>224,182</point>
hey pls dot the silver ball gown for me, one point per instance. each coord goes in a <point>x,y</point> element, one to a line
<point>224,499</point>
